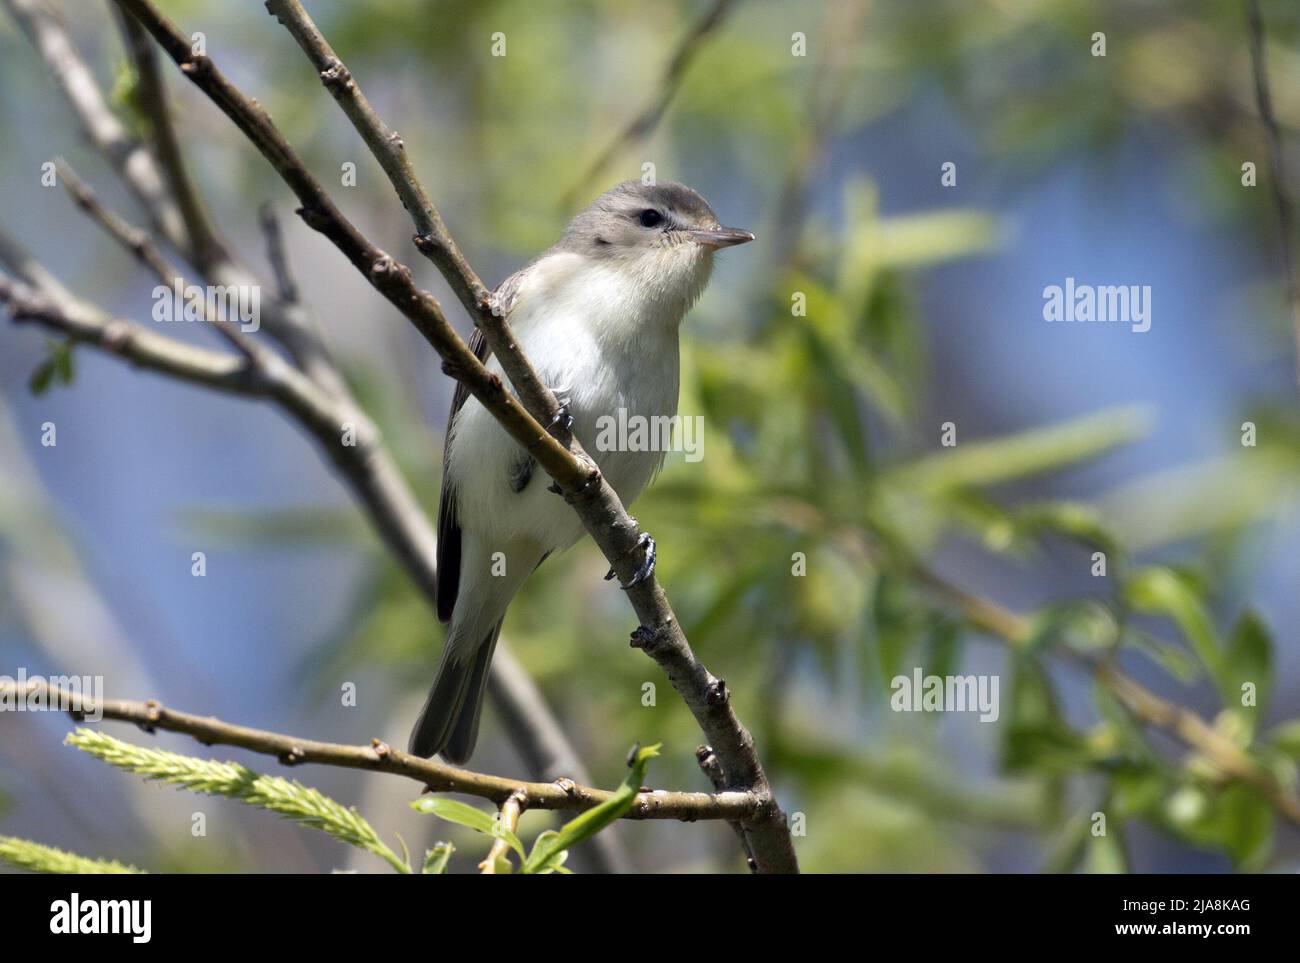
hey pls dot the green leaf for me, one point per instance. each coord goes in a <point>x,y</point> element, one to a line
<point>42,377</point>
<point>1083,624</point>
<point>548,849</point>
<point>1249,659</point>
<point>1247,825</point>
<point>1032,452</point>
<point>465,815</point>
<point>1082,523</point>
<point>59,365</point>
<point>556,864</point>
<point>435,860</point>
<point>1235,820</point>
<point>1162,591</point>
<point>1038,737</point>
<point>63,365</point>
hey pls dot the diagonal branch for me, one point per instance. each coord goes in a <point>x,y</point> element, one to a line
<point>432,237</point>
<point>203,244</point>
<point>102,127</point>
<point>134,343</point>
<point>614,531</point>
<point>141,246</point>
<point>150,716</point>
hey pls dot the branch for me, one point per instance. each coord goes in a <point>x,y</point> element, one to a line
<point>432,237</point>
<point>387,275</point>
<point>87,324</point>
<point>203,244</point>
<point>141,246</point>
<point>101,125</point>
<point>1273,138</point>
<point>275,253</point>
<point>614,531</point>
<point>563,794</point>
<point>183,225</point>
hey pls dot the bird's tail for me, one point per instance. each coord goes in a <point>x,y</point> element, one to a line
<point>448,723</point>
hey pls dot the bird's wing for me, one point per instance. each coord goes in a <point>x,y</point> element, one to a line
<point>448,559</point>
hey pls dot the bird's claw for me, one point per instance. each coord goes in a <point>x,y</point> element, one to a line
<point>647,542</point>
<point>561,424</point>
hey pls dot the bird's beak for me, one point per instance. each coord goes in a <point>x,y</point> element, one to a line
<point>721,237</point>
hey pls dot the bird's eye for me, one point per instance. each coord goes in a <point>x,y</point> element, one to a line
<point>650,217</point>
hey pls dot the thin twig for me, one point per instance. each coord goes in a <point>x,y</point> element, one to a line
<point>103,128</point>
<point>204,245</point>
<point>132,342</point>
<point>275,253</point>
<point>379,757</point>
<point>1281,199</point>
<point>511,810</point>
<point>141,246</point>
<point>712,768</point>
<point>614,531</point>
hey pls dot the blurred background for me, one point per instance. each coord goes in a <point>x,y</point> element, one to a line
<point>823,429</point>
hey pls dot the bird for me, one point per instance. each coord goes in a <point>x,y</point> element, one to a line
<point>598,315</point>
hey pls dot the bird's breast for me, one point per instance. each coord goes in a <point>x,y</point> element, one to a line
<point>615,363</point>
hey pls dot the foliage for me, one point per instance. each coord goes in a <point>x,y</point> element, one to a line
<point>287,798</point>
<point>551,847</point>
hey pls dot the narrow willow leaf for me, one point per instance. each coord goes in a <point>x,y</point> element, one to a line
<point>548,848</point>
<point>1248,661</point>
<point>465,815</point>
<point>435,860</point>
<point>41,378</point>
<point>1161,591</point>
<point>1024,454</point>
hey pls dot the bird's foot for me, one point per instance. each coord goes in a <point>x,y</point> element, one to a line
<point>561,423</point>
<point>646,542</point>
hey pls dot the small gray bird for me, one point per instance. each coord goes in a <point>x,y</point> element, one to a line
<point>598,315</point>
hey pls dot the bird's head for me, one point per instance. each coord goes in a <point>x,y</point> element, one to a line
<point>661,235</point>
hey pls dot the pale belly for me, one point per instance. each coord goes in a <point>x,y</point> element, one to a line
<point>484,460</point>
